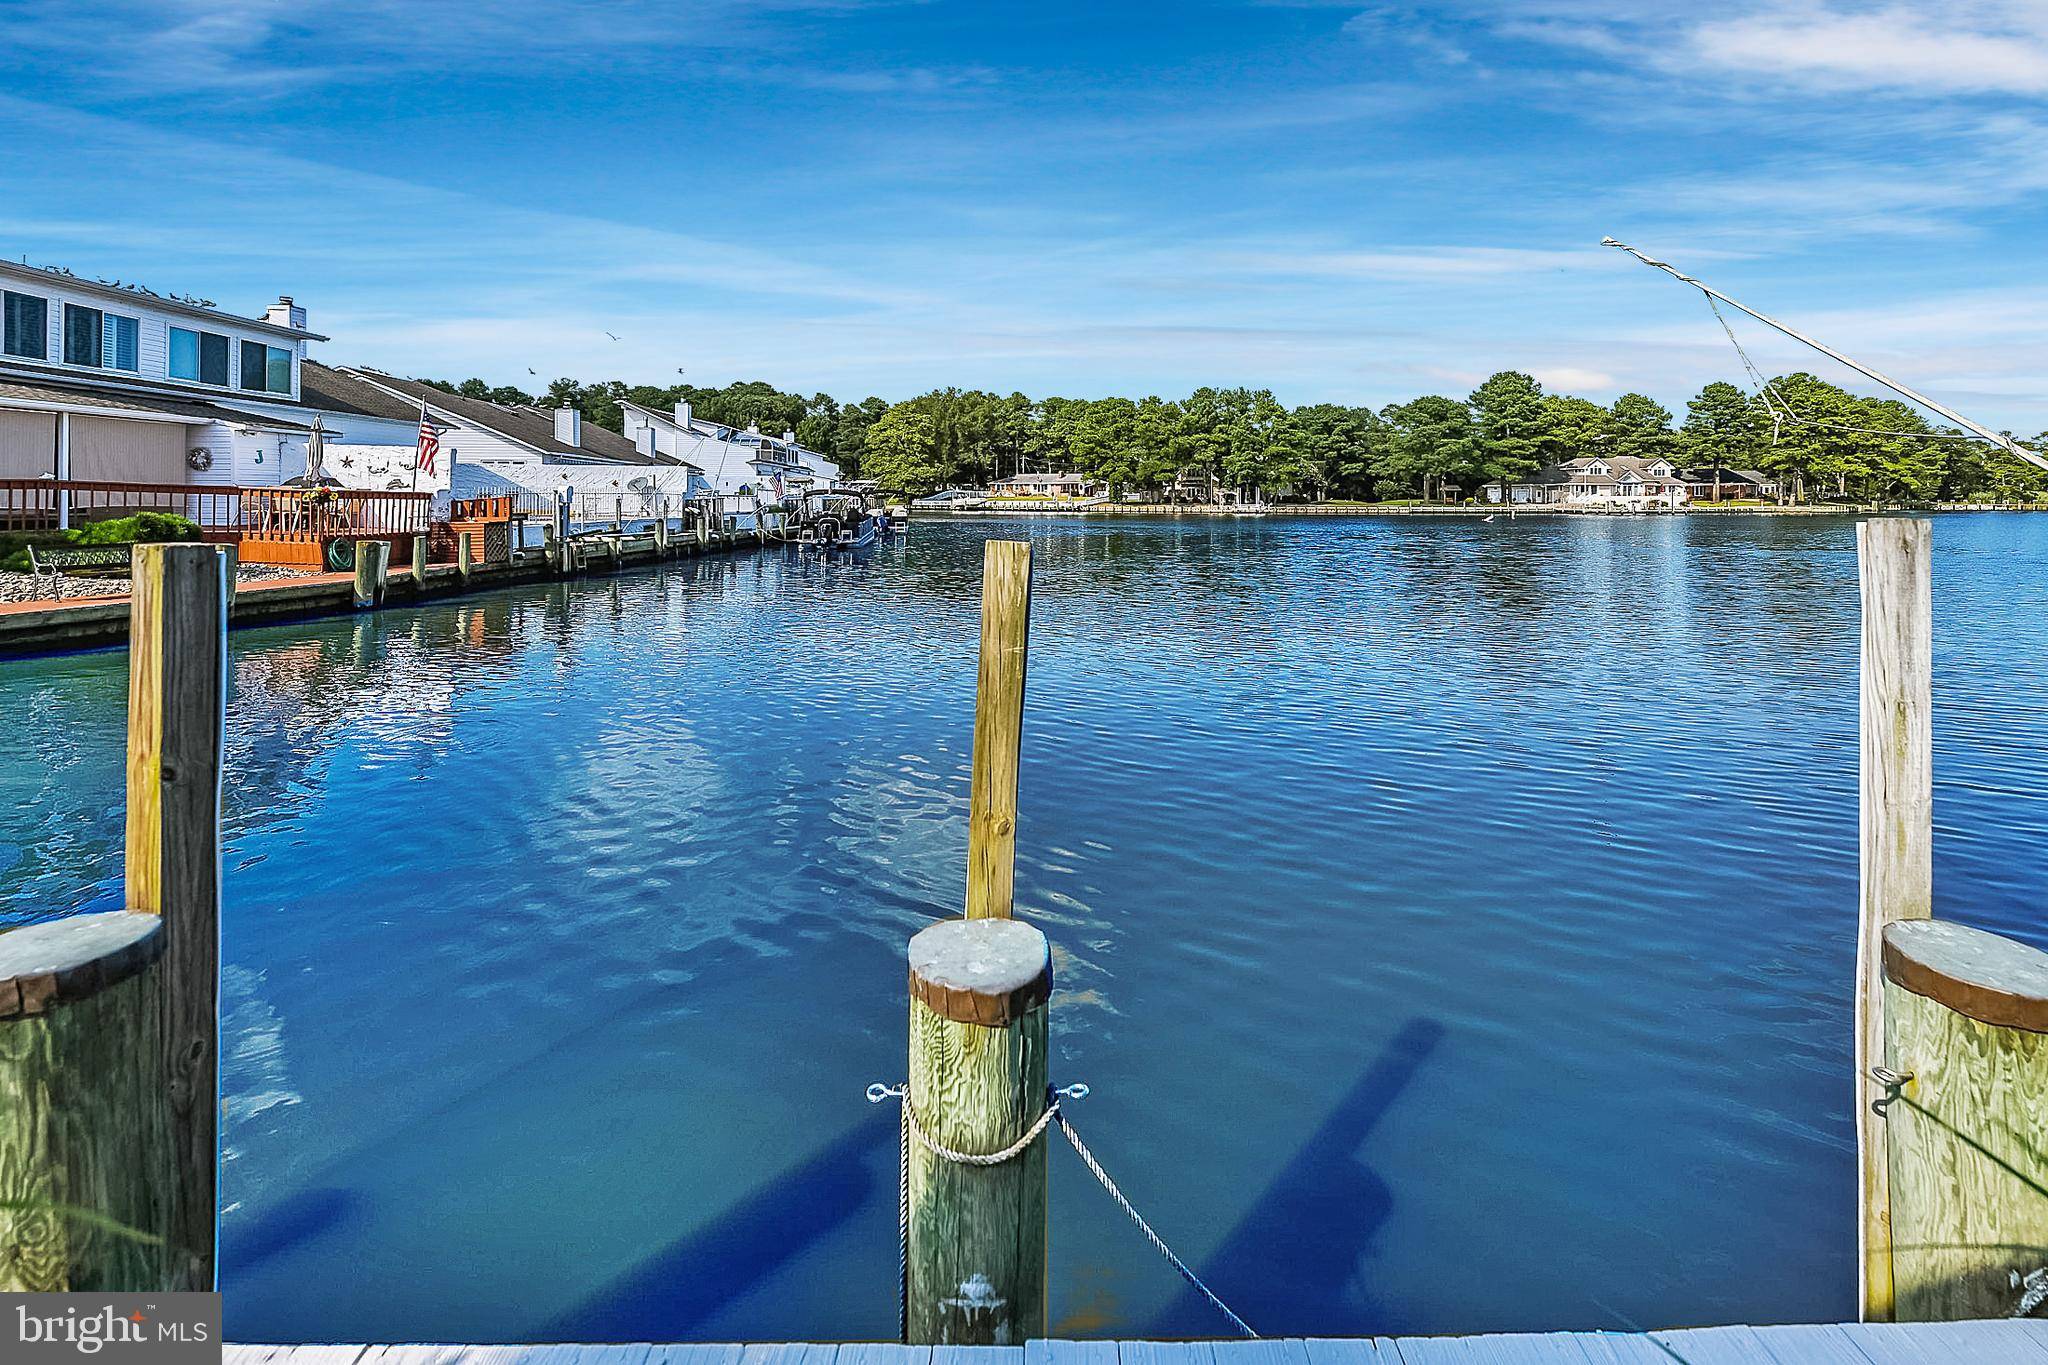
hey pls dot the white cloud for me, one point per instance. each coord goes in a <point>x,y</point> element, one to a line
<point>1960,49</point>
<point>1565,378</point>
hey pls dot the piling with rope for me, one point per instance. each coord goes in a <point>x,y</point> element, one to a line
<point>977,1109</point>
<point>1896,837</point>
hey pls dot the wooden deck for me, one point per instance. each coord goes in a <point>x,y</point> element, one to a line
<point>1933,1343</point>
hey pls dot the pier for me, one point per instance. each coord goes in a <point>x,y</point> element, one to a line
<point>1947,1343</point>
<point>378,579</point>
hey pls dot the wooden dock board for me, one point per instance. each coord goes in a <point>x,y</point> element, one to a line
<point>1925,1343</point>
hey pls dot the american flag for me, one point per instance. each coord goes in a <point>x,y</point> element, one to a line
<point>430,443</point>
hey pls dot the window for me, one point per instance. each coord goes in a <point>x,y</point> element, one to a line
<point>119,337</point>
<point>201,356</point>
<point>266,368</point>
<point>101,340</point>
<point>81,335</point>
<point>27,326</point>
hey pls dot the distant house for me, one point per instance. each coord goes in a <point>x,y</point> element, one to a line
<point>734,461</point>
<point>1048,486</point>
<point>1593,481</point>
<point>543,450</point>
<point>102,380</point>
<point>1730,485</point>
<point>1630,481</point>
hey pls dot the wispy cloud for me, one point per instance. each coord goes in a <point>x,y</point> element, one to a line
<point>266,49</point>
<point>1959,47</point>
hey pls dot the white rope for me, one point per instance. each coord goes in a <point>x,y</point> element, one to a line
<point>913,1128</point>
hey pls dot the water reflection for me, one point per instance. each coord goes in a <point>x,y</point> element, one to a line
<point>564,924</point>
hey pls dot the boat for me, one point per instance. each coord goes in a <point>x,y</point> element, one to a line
<point>830,519</point>
<point>953,500</point>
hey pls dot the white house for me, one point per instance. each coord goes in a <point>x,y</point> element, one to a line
<point>105,380</point>
<point>547,451</point>
<point>733,461</point>
<point>1048,486</point>
<point>1601,481</point>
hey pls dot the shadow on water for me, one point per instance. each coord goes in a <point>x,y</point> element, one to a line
<point>303,1217</point>
<point>1287,1265</point>
<point>673,1293</point>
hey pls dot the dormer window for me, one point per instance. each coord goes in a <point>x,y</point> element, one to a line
<point>199,356</point>
<point>266,369</point>
<point>103,341</point>
<point>27,330</point>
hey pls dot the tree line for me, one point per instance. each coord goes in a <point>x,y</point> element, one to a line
<point>1834,445</point>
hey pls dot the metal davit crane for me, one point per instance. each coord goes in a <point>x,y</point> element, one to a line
<point>1781,410</point>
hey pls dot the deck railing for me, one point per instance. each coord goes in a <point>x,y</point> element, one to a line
<point>220,511</point>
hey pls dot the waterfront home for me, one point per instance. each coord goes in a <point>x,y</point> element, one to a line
<point>546,451</point>
<point>1631,482</point>
<point>733,461</point>
<point>105,380</point>
<point>1599,481</point>
<point>1048,486</point>
<point>1730,485</point>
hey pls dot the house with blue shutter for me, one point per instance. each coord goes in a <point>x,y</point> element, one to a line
<point>111,381</point>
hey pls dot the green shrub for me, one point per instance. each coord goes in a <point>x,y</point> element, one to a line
<point>144,528</point>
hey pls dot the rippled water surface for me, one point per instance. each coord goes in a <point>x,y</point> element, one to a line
<point>1454,920</point>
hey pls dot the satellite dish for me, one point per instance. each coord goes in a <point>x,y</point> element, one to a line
<point>642,484</point>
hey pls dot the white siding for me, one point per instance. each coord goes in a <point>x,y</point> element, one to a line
<point>153,335</point>
<point>219,440</point>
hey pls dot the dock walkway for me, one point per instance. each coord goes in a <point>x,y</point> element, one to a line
<point>2010,1342</point>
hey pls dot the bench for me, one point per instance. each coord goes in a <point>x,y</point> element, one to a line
<point>57,559</point>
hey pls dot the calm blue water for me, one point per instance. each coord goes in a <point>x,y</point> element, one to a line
<point>1454,920</point>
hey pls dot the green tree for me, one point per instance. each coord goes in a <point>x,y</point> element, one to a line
<point>1512,435</point>
<point>1427,443</point>
<point>1640,426</point>
<point>902,453</point>
<point>1579,425</point>
<point>1724,430</point>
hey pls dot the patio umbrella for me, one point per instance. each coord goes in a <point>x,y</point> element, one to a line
<point>316,451</point>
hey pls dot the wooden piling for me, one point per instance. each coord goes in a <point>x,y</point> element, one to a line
<point>661,530</point>
<point>977,1254</point>
<point>464,561</point>
<point>1966,1031</point>
<point>1896,837</point>
<point>419,562</point>
<point>998,727</point>
<point>373,560</point>
<point>85,1118</point>
<point>177,683</point>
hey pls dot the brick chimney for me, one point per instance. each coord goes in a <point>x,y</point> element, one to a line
<point>285,313</point>
<point>569,427</point>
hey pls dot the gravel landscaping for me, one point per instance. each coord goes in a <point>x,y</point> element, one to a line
<point>21,587</point>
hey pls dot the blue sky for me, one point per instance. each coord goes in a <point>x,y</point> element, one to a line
<point>1342,202</point>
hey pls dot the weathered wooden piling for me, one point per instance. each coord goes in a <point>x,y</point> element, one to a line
<point>419,562</point>
<point>1896,837</point>
<point>1966,1041</point>
<point>661,529</point>
<point>177,671</point>
<point>463,558</point>
<point>976,1268</point>
<point>373,561</point>
<point>998,727</point>
<point>86,1195</point>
